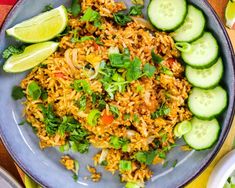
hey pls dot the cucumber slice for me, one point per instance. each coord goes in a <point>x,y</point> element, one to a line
<point>207,104</point>
<point>203,135</point>
<point>167,15</point>
<point>204,52</point>
<point>205,78</point>
<point>192,27</point>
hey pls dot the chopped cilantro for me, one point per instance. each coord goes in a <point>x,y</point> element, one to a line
<point>125,165</point>
<point>47,8</point>
<point>64,148</point>
<point>136,118</point>
<point>12,50</point>
<point>34,90</point>
<point>120,60</point>
<point>85,38</point>
<point>104,163</point>
<point>117,142</point>
<point>114,111</point>
<point>165,164</point>
<point>22,123</point>
<point>93,117</point>
<point>82,85</point>
<point>75,177</point>
<point>134,70</point>
<point>126,116</point>
<point>136,10</point>
<point>91,15</point>
<point>166,71</point>
<point>82,103</point>
<point>163,110</point>
<point>156,58</point>
<point>174,163</point>
<point>17,93</point>
<point>121,18</point>
<point>146,157</point>
<point>52,122</point>
<point>75,7</point>
<point>149,70</point>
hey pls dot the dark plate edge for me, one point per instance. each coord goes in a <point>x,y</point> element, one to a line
<point>186,182</point>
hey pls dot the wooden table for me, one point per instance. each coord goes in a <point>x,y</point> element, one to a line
<point>200,182</point>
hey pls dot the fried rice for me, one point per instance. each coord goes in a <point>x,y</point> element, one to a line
<point>139,100</point>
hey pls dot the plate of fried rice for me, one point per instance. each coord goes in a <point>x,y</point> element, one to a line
<point>113,106</point>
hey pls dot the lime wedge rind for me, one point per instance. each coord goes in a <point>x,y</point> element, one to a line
<point>230,14</point>
<point>31,57</point>
<point>36,29</point>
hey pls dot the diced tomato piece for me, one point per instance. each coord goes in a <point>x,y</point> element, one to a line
<point>96,46</point>
<point>107,119</point>
<point>59,75</point>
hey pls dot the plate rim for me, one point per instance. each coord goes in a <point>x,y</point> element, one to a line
<point>204,166</point>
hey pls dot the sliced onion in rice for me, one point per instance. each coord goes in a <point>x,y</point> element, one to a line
<point>150,139</point>
<point>143,22</point>
<point>97,67</point>
<point>82,114</point>
<point>130,133</point>
<point>68,58</point>
<point>147,98</point>
<point>103,155</point>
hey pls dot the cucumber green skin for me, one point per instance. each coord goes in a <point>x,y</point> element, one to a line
<point>208,147</point>
<point>199,36</point>
<point>168,30</point>
<point>210,87</point>
<point>212,116</point>
<point>209,64</point>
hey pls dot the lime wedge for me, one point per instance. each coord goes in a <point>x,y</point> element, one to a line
<point>32,56</point>
<point>230,14</point>
<point>41,28</point>
<point>29,183</point>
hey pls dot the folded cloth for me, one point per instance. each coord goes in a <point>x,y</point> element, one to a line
<point>7,2</point>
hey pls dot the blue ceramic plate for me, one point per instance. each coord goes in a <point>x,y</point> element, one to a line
<point>44,167</point>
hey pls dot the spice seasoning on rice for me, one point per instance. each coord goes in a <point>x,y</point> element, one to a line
<point>104,88</point>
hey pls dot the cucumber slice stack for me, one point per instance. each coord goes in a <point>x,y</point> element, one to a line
<point>193,26</point>
<point>204,68</point>
<point>167,15</point>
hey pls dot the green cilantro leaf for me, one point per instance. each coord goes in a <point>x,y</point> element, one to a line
<point>156,58</point>
<point>47,8</point>
<point>146,157</point>
<point>34,90</point>
<point>125,165</point>
<point>149,70</point>
<point>134,70</point>
<point>90,15</point>
<point>17,93</point>
<point>82,85</point>
<point>82,103</point>
<point>121,18</point>
<point>11,50</point>
<point>114,111</point>
<point>163,110</point>
<point>136,10</point>
<point>75,7</point>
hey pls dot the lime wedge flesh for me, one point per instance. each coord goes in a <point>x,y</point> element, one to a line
<point>41,28</point>
<point>230,14</point>
<point>29,183</point>
<point>31,57</point>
